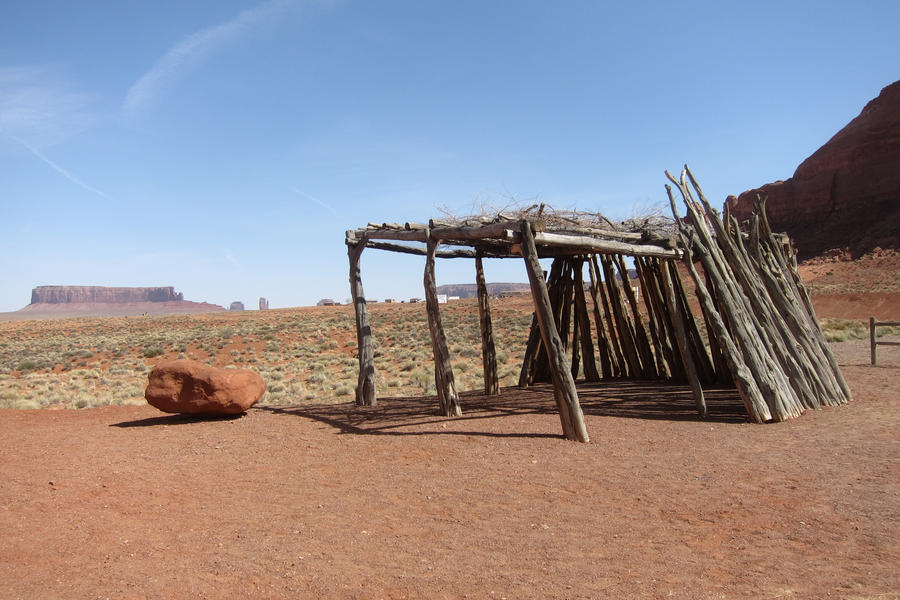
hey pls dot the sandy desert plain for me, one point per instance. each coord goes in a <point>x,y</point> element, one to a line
<point>308,495</point>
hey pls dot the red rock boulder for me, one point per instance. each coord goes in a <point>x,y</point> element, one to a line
<point>191,387</point>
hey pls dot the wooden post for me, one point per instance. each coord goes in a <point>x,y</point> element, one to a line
<point>526,374</point>
<point>640,334</point>
<point>625,329</point>
<point>657,312</point>
<point>607,358</point>
<point>681,339</point>
<point>365,384</point>
<point>488,352</point>
<point>872,340</point>
<point>555,283</point>
<point>563,385</point>
<point>443,371</point>
<point>583,324</point>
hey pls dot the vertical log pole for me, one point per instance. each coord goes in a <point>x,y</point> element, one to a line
<point>625,328</point>
<point>365,384</point>
<point>640,334</point>
<point>563,385</point>
<point>488,352</point>
<point>583,324</point>
<point>443,372</point>
<point>607,358</point>
<point>681,338</point>
<point>526,375</point>
<point>872,343</point>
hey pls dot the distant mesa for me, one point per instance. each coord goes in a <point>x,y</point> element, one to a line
<point>57,301</point>
<point>846,195</point>
<point>237,305</point>
<point>263,304</point>
<point>326,302</point>
<point>470,290</point>
<point>78,294</point>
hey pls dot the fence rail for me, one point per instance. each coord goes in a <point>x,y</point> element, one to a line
<point>872,341</point>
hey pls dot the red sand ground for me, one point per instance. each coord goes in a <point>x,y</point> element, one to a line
<point>394,502</point>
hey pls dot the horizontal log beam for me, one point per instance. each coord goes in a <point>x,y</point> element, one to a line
<point>603,246</point>
<point>502,231</point>
<point>548,244</point>
<point>402,235</point>
<point>419,251</point>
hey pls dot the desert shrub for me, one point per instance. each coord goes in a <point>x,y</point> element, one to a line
<point>315,378</point>
<point>153,352</point>
<point>30,364</point>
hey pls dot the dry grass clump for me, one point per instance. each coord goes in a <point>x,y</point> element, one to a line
<point>844,330</point>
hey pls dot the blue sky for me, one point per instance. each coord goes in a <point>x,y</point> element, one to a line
<point>224,147</point>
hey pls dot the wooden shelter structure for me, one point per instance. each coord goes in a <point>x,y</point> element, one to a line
<point>762,335</point>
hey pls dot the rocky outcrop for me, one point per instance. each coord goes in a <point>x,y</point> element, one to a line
<point>263,304</point>
<point>237,305</point>
<point>78,294</point>
<point>847,194</point>
<point>191,387</point>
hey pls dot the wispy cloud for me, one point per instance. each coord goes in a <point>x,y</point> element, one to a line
<point>321,203</point>
<point>38,105</point>
<point>59,169</point>
<point>228,256</point>
<point>191,50</point>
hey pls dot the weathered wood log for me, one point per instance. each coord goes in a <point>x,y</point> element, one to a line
<point>564,391</point>
<point>526,373</point>
<point>720,366</point>
<point>603,343</point>
<point>701,358</point>
<point>792,375</point>
<point>744,379</point>
<point>503,230</point>
<point>798,331</point>
<point>554,283</point>
<point>365,383</point>
<point>787,265</point>
<point>681,340</point>
<point>443,370</point>
<point>488,352</point>
<point>624,327</point>
<point>642,341</point>
<point>387,234</point>
<point>587,244</point>
<point>776,390</point>
<point>666,364</point>
<point>419,251</point>
<point>620,364</point>
<point>583,325</point>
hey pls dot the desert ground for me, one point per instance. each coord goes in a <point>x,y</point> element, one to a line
<point>321,498</point>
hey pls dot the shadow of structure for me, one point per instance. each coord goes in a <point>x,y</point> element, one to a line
<point>630,399</point>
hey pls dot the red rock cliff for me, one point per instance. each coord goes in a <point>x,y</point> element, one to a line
<point>847,194</point>
<point>77,294</point>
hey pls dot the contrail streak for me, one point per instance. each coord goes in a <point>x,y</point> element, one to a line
<point>314,199</point>
<point>59,169</point>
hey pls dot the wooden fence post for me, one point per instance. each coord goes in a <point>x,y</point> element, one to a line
<point>872,340</point>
